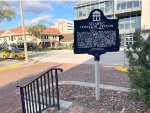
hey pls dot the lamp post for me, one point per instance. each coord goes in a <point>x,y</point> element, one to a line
<point>24,38</point>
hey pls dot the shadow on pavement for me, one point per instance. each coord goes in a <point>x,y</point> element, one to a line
<point>37,54</point>
<point>2,59</point>
<point>10,101</point>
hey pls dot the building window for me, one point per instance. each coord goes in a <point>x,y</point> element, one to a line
<point>80,14</point>
<point>5,39</point>
<point>121,26</point>
<point>123,5</point>
<point>84,12</point>
<point>12,38</point>
<point>133,22</point>
<point>118,5</point>
<point>45,37</point>
<point>19,37</point>
<point>109,6</point>
<point>127,23</point>
<point>101,5</point>
<point>138,22</point>
<point>92,8</point>
<point>129,4</point>
<point>136,3</point>
<point>88,10</point>
<point>129,41</point>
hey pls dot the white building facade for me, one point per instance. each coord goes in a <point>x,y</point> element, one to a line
<point>65,26</point>
<point>14,38</point>
<point>132,14</point>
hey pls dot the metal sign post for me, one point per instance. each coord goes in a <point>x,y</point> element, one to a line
<point>97,77</point>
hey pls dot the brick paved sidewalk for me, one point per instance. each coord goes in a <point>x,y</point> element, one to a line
<point>9,94</point>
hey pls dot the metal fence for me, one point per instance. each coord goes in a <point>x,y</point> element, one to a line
<point>41,93</point>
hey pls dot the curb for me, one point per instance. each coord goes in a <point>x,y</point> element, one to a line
<point>122,69</point>
<point>18,66</point>
<point>9,67</point>
<point>108,87</point>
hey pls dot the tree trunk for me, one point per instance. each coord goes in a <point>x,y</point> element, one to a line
<point>41,40</point>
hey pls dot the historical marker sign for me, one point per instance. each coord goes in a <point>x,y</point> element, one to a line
<point>96,34</point>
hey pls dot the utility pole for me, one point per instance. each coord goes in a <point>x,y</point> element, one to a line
<point>24,38</point>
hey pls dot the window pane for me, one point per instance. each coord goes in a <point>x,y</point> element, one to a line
<point>121,26</point>
<point>138,22</point>
<point>101,5</point>
<point>111,6</point>
<point>133,22</point>
<point>136,4</point>
<point>96,6</point>
<point>118,6</point>
<point>92,8</point>
<point>88,10</point>
<point>80,14</point>
<point>129,4</point>
<point>106,6</point>
<point>123,5</point>
<point>84,11</point>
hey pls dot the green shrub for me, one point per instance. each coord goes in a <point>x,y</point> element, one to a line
<point>68,46</point>
<point>4,49</point>
<point>45,49</point>
<point>139,67</point>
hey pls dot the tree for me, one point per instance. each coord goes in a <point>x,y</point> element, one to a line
<point>6,12</point>
<point>33,30</point>
<point>37,31</point>
<point>40,29</point>
<point>139,67</point>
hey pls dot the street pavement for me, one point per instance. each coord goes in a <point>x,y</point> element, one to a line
<point>76,68</point>
<point>67,56</point>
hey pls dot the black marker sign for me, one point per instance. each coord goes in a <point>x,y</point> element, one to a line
<point>96,34</point>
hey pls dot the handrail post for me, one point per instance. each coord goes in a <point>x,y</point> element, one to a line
<point>57,90</point>
<point>22,100</point>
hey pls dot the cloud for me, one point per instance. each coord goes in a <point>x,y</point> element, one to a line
<point>32,7</point>
<point>37,6</point>
<point>65,3</point>
<point>45,19</point>
<point>40,11</point>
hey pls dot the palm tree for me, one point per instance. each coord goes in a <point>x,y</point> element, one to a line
<point>37,31</point>
<point>40,29</point>
<point>32,30</point>
<point>6,12</point>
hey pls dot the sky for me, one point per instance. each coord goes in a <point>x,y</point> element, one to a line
<point>40,12</point>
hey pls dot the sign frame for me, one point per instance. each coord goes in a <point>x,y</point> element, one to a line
<point>99,25</point>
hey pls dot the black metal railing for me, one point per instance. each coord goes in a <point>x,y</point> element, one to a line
<point>41,93</point>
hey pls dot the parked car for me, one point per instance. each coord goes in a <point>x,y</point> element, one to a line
<point>16,53</point>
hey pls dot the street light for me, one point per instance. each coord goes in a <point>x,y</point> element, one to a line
<point>24,38</point>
